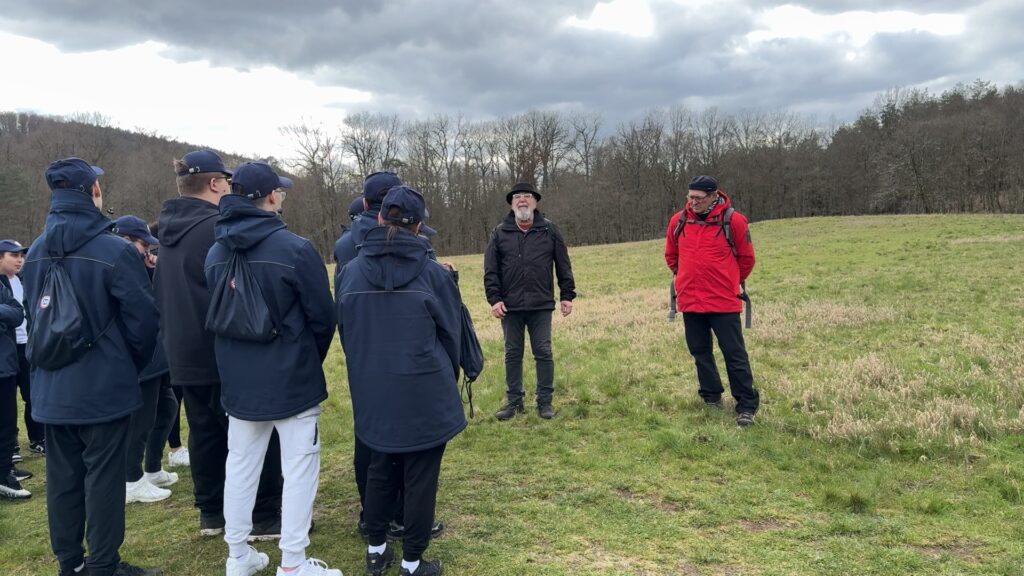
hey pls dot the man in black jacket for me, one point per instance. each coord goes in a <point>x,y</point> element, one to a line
<point>518,285</point>
<point>186,234</point>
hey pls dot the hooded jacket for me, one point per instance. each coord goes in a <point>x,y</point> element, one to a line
<point>708,276</point>
<point>116,302</point>
<point>517,265</point>
<point>399,323</point>
<point>186,234</point>
<point>347,245</point>
<point>277,379</point>
<point>11,316</point>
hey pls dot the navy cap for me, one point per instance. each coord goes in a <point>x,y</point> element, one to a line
<point>203,161</point>
<point>522,187</point>
<point>11,246</point>
<point>134,227</point>
<point>257,180</point>
<point>410,204</point>
<point>376,186</point>
<point>704,184</point>
<point>427,231</point>
<point>77,174</point>
<point>356,208</point>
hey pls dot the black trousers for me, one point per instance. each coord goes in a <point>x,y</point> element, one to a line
<point>174,436</point>
<point>142,421</point>
<point>515,325</point>
<point>729,332</point>
<point>420,473</point>
<point>8,423</point>
<point>208,453</point>
<point>167,410</point>
<point>362,454</point>
<point>33,429</point>
<point>85,493</point>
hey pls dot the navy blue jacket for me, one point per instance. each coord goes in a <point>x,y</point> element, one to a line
<point>157,367</point>
<point>399,323</point>
<point>347,245</point>
<point>283,377</point>
<point>113,290</point>
<point>186,234</point>
<point>11,316</point>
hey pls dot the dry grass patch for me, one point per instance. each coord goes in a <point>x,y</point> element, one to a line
<point>988,239</point>
<point>782,322</point>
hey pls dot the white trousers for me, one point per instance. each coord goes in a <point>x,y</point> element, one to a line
<point>300,466</point>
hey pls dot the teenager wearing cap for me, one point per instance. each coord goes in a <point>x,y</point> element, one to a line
<point>708,275</point>
<point>518,262</point>
<point>12,259</point>
<point>12,316</point>
<point>276,384</point>
<point>186,234</point>
<point>148,483</point>
<point>399,323</point>
<point>86,405</point>
<point>375,187</point>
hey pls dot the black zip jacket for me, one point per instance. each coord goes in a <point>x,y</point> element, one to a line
<point>517,265</point>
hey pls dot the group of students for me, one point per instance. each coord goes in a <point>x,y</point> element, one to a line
<point>252,391</point>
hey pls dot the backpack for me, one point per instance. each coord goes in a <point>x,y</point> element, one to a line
<point>725,226</point>
<point>238,309</point>
<point>57,335</point>
<point>471,357</point>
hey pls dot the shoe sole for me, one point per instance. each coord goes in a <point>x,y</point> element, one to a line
<point>145,500</point>
<point>211,531</point>
<point>263,538</point>
<point>164,484</point>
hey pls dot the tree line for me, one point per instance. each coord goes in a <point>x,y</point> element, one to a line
<point>910,152</point>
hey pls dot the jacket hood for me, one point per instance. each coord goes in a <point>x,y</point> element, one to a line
<point>73,221</point>
<point>242,225</point>
<point>179,215</point>
<point>391,264</point>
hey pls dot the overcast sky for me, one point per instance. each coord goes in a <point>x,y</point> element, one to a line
<point>228,74</point>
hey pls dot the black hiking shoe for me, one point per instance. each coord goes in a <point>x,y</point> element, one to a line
<point>546,411</point>
<point>378,563</point>
<point>11,489</point>
<point>265,530</point>
<point>716,404</point>
<point>126,569</point>
<point>509,410</point>
<point>745,419</point>
<point>426,568</point>
<point>20,474</point>
<point>211,525</point>
<point>396,531</point>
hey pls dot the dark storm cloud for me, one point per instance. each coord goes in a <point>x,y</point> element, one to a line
<point>491,57</point>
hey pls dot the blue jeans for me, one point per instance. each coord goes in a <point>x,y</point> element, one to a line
<point>515,325</point>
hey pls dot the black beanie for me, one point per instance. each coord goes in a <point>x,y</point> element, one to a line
<point>704,184</point>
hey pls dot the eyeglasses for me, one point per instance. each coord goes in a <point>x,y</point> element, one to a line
<point>282,192</point>
<point>522,195</point>
<point>225,178</point>
<point>698,198</point>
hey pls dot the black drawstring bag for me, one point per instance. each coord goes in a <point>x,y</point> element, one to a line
<point>57,333</point>
<point>471,357</point>
<point>238,309</point>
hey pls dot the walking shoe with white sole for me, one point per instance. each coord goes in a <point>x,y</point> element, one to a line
<point>21,474</point>
<point>211,525</point>
<point>312,567</point>
<point>10,489</point>
<point>37,448</point>
<point>142,491</point>
<point>253,562</point>
<point>161,479</point>
<point>178,458</point>
<point>265,530</point>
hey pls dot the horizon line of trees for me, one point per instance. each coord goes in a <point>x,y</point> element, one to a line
<point>911,152</point>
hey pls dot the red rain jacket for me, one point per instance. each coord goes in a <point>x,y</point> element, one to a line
<point>708,276</point>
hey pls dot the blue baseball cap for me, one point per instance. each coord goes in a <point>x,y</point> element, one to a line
<point>257,180</point>
<point>203,161</point>
<point>11,246</point>
<point>410,204</point>
<point>75,173</point>
<point>356,208</point>
<point>134,227</point>
<point>376,186</point>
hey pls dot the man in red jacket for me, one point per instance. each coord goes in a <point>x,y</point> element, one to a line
<point>709,264</point>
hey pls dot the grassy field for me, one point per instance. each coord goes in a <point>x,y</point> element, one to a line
<point>888,355</point>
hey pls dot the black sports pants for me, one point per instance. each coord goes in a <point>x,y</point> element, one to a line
<point>727,329</point>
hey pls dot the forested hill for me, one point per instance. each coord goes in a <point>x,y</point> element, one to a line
<point>912,152</point>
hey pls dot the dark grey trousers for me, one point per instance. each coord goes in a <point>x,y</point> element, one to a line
<point>538,324</point>
<point>729,332</point>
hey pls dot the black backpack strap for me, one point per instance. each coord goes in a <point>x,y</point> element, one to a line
<point>680,225</point>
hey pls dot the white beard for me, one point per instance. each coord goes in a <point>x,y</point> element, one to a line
<point>524,214</point>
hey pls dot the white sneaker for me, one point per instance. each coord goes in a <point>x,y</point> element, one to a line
<point>312,567</point>
<point>178,457</point>
<point>143,491</point>
<point>247,566</point>
<point>161,479</point>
